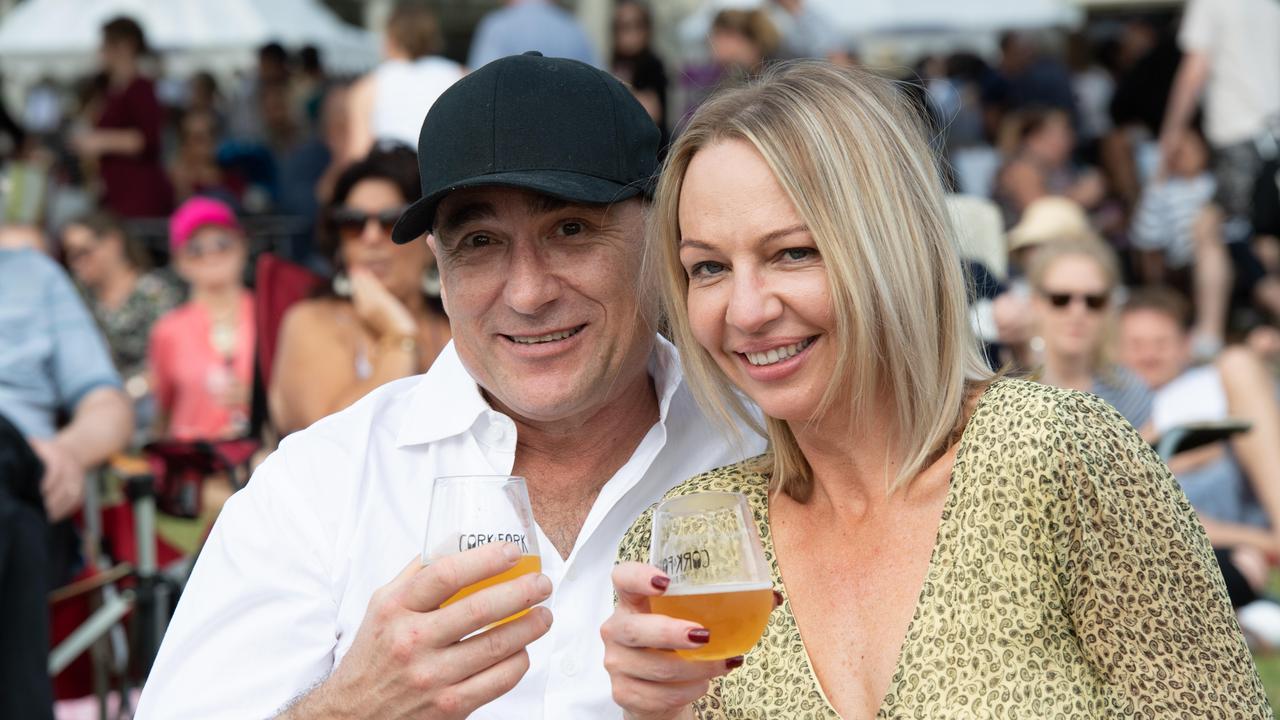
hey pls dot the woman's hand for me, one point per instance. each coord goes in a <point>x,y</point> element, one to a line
<point>650,682</point>
<point>378,308</point>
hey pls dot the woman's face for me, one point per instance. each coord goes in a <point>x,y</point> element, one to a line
<point>732,49</point>
<point>88,257</point>
<point>364,230</point>
<point>630,31</point>
<point>1054,141</point>
<point>213,258</point>
<point>758,298</point>
<point>1071,306</point>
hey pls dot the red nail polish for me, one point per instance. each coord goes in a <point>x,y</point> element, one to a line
<point>700,636</point>
<point>734,663</point>
<point>660,582</point>
<point>777,598</point>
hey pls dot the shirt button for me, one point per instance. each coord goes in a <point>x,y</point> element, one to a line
<point>569,666</point>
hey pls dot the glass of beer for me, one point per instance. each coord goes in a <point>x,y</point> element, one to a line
<point>707,544</point>
<point>468,511</point>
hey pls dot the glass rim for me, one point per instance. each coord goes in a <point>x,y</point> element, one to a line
<point>732,497</point>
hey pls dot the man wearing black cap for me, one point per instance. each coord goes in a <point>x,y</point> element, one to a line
<point>535,172</point>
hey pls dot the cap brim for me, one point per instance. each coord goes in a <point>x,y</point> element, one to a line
<point>419,218</point>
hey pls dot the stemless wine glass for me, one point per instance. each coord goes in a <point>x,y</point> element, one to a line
<point>468,511</point>
<point>706,543</point>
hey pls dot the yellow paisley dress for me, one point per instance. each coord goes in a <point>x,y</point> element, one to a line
<point>1070,579</point>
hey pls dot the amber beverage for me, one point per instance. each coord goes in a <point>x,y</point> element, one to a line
<point>735,615</point>
<point>524,566</point>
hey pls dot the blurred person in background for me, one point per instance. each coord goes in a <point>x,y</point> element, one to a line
<point>742,40</point>
<point>195,169</point>
<point>390,102</point>
<point>203,96</point>
<point>334,133</point>
<point>1231,56</point>
<point>1038,144</point>
<point>382,320</point>
<point>201,353</point>
<point>125,140</point>
<point>636,64</point>
<point>1164,224</point>
<point>309,86</point>
<point>1234,485</point>
<point>524,25</point>
<point>245,122</point>
<point>1073,294</point>
<point>52,362</point>
<point>125,297</point>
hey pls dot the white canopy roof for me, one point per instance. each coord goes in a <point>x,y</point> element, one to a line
<point>60,38</point>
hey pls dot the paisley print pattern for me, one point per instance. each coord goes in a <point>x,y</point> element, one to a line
<point>1070,579</point>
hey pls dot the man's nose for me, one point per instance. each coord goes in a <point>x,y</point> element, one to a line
<point>531,281</point>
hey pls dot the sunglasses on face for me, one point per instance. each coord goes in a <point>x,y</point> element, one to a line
<point>350,221</point>
<point>210,245</point>
<point>76,254</point>
<point>1094,302</point>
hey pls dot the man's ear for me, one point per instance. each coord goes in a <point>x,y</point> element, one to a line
<point>435,251</point>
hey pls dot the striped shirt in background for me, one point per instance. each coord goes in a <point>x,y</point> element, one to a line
<point>1126,392</point>
<point>1166,213</point>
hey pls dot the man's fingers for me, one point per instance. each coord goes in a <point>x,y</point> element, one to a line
<point>488,606</point>
<point>635,583</point>
<point>491,683</point>
<point>439,581</point>
<point>492,646</point>
<point>645,630</point>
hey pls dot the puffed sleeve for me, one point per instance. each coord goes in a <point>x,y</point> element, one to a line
<point>1142,587</point>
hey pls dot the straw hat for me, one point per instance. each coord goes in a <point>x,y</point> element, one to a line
<point>1051,219</point>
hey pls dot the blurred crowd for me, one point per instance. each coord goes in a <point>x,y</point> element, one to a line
<point>1114,193</point>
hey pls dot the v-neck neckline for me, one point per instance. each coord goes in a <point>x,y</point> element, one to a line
<point>948,508</point>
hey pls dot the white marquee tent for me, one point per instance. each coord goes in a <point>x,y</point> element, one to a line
<point>59,38</point>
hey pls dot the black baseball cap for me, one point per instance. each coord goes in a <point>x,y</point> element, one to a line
<point>552,125</point>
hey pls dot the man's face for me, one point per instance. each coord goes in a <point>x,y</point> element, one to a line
<point>1154,346</point>
<point>542,298</point>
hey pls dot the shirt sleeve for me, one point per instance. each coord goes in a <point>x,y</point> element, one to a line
<point>1199,31</point>
<point>161,376</point>
<point>80,361</point>
<point>1150,230</point>
<point>1140,582</point>
<point>257,624</point>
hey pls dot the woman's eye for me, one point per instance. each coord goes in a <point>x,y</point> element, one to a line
<point>570,228</point>
<point>798,253</point>
<point>705,269</point>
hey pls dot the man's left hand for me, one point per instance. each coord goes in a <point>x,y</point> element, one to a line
<point>63,482</point>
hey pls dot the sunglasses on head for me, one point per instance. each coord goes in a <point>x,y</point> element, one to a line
<point>350,221</point>
<point>210,245</point>
<point>1091,301</point>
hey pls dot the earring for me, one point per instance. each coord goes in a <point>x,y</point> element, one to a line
<point>342,284</point>
<point>431,282</point>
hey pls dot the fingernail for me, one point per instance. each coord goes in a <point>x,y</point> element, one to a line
<point>734,663</point>
<point>702,636</point>
<point>511,551</point>
<point>660,582</point>
<point>544,584</point>
<point>777,598</point>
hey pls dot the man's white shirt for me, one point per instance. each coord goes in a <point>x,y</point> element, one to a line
<point>282,584</point>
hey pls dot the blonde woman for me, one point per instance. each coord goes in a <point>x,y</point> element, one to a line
<point>1073,308</point>
<point>945,544</point>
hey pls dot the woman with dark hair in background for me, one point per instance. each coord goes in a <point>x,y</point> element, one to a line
<point>112,269</point>
<point>634,62</point>
<point>126,136</point>
<point>383,319</point>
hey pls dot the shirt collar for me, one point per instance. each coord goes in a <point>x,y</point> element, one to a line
<point>448,401</point>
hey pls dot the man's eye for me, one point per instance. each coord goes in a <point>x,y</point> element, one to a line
<point>477,241</point>
<point>705,269</point>
<point>570,228</point>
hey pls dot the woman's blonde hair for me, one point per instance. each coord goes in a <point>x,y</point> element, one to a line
<point>853,160</point>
